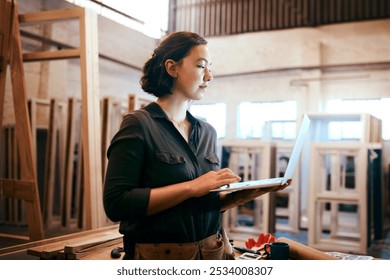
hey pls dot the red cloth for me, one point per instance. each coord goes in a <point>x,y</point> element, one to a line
<point>262,239</point>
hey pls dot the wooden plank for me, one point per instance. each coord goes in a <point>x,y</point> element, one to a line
<point>18,189</point>
<point>49,179</point>
<point>32,110</point>
<point>5,26</point>
<point>52,15</point>
<point>91,242</point>
<point>51,55</point>
<point>78,244</point>
<point>93,184</point>
<point>99,252</point>
<point>14,237</point>
<point>5,31</point>
<point>50,250</point>
<point>12,167</point>
<point>80,185</point>
<point>68,165</point>
<point>62,124</point>
<point>23,247</point>
<point>106,108</point>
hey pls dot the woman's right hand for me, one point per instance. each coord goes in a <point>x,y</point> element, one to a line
<point>166,197</point>
<point>212,180</point>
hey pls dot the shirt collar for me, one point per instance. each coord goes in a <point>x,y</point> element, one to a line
<point>157,112</point>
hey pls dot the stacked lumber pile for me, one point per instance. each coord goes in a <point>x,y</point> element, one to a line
<point>93,244</point>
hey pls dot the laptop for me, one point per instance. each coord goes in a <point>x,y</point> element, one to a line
<point>273,182</point>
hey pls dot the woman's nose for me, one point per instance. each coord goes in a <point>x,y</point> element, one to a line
<point>208,76</point>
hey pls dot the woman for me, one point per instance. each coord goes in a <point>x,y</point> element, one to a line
<point>163,163</point>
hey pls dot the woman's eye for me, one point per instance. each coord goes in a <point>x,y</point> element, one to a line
<point>201,66</point>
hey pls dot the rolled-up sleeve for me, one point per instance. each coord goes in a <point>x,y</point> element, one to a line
<point>123,198</point>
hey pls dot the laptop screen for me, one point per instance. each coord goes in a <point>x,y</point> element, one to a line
<point>301,137</point>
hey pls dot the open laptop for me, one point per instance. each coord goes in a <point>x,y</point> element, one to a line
<point>273,182</point>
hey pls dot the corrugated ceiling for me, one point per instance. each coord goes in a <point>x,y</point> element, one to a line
<point>225,17</point>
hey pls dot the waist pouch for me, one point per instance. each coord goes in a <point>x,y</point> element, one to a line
<point>210,248</point>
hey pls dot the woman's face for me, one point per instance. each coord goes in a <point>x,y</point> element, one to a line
<point>193,74</point>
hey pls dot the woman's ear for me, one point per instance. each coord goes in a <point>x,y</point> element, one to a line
<point>171,67</point>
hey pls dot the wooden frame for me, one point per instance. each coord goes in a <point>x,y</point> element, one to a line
<point>291,194</point>
<point>371,127</point>
<point>71,132</point>
<point>88,55</point>
<point>53,151</point>
<point>14,210</point>
<point>27,188</point>
<point>256,158</point>
<point>112,116</point>
<point>328,191</point>
<point>371,132</point>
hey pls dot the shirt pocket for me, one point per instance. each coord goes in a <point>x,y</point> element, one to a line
<point>169,168</point>
<point>170,158</point>
<point>213,161</point>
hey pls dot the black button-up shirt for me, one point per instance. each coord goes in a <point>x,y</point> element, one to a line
<point>149,152</point>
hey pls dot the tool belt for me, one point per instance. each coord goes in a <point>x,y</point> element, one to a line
<point>210,248</point>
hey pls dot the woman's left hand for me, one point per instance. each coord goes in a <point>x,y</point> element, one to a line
<point>248,195</point>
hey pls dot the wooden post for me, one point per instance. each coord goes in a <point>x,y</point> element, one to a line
<point>90,106</point>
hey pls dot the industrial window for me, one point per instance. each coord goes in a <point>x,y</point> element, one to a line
<point>147,16</point>
<point>376,107</point>
<point>214,114</point>
<point>267,120</point>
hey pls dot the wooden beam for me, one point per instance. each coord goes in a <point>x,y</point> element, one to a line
<point>49,16</point>
<point>5,31</point>
<point>62,45</point>
<point>51,55</point>
<point>17,189</point>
